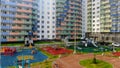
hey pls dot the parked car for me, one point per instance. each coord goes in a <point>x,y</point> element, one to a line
<point>116,44</point>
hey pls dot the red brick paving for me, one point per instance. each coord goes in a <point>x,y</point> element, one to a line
<point>72,61</point>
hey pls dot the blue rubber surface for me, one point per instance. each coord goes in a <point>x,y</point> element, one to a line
<point>10,60</point>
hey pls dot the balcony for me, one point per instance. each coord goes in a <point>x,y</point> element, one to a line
<point>24,5</point>
<point>5,27</point>
<point>14,33</point>
<point>8,9</point>
<point>6,21</point>
<point>63,24</point>
<point>108,6</point>
<point>27,28</point>
<point>107,11</point>
<point>21,16</point>
<point>7,15</point>
<point>3,40</point>
<point>105,2</point>
<point>10,3</point>
<point>28,0</point>
<point>16,27</point>
<point>25,11</point>
<point>18,22</point>
<point>11,39</point>
<point>4,33</point>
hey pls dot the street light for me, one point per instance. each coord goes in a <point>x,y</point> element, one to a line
<point>75,39</point>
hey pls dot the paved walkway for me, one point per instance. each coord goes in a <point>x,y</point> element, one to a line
<point>72,61</point>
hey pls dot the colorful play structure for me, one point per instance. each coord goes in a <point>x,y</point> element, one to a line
<point>23,61</point>
<point>28,41</point>
<point>7,51</point>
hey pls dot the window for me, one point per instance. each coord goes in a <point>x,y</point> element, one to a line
<point>93,8</point>
<point>53,31</point>
<point>42,17</point>
<point>53,17</point>
<point>42,26</point>
<point>97,24</point>
<point>97,28</point>
<point>48,31</point>
<point>42,36</point>
<point>38,26</point>
<point>97,7</point>
<point>48,36</point>
<point>48,26</point>
<point>48,13</point>
<point>42,22</point>
<point>42,31</point>
<point>48,22</point>
<point>53,36</point>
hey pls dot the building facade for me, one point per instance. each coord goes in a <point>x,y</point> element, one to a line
<point>107,28</point>
<point>47,24</point>
<point>18,18</point>
<point>68,19</point>
<point>84,17</point>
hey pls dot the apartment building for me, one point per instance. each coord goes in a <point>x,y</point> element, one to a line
<point>47,25</point>
<point>68,19</point>
<point>18,18</point>
<point>84,17</point>
<point>102,20</point>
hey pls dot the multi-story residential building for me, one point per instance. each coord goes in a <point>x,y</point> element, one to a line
<point>106,22</point>
<point>115,16</point>
<point>18,18</point>
<point>68,19</point>
<point>84,17</point>
<point>93,18</point>
<point>47,24</point>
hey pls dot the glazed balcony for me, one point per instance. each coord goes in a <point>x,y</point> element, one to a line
<point>25,5</point>
<point>4,33</point>
<point>11,39</point>
<point>16,27</point>
<point>28,0</point>
<point>8,9</point>
<point>18,22</point>
<point>105,2</point>
<point>21,16</point>
<point>7,15</point>
<point>25,11</point>
<point>63,24</point>
<point>6,21</point>
<point>59,28</point>
<point>14,33</point>
<point>5,27</point>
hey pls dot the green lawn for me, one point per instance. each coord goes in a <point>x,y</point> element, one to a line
<point>88,63</point>
<point>38,42</point>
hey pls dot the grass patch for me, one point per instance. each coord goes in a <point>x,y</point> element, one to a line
<point>88,63</point>
<point>13,44</point>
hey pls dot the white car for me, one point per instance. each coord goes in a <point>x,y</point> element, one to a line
<point>116,44</point>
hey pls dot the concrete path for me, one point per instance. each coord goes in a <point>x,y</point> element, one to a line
<point>72,61</point>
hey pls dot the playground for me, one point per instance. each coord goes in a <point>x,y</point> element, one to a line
<point>21,56</point>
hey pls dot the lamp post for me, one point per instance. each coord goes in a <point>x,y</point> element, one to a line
<point>75,39</point>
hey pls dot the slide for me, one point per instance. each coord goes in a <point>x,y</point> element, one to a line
<point>94,44</point>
